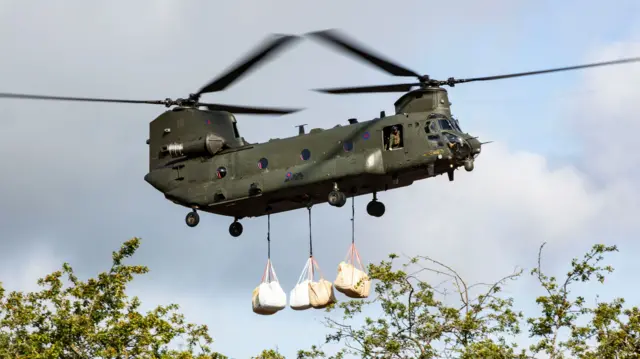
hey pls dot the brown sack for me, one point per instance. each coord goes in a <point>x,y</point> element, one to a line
<point>352,282</point>
<point>321,294</point>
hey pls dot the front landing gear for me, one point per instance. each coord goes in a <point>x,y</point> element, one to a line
<point>375,208</point>
<point>192,219</point>
<point>235,228</point>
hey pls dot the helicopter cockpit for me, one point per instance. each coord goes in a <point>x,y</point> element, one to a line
<point>442,131</point>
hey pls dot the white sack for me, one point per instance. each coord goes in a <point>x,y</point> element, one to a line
<point>321,294</point>
<point>268,298</point>
<point>255,304</point>
<point>299,296</point>
<point>352,282</point>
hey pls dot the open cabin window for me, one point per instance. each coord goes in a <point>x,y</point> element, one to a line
<point>393,137</point>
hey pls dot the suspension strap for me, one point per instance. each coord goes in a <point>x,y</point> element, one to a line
<point>353,220</point>
<point>310,241</point>
<point>268,236</point>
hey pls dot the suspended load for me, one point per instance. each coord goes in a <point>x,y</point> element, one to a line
<point>352,281</point>
<point>307,293</point>
<point>321,293</point>
<point>268,297</point>
<point>299,296</point>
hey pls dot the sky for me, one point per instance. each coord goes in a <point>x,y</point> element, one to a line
<point>563,167</point>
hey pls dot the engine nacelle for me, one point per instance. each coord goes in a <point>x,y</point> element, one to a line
<point>209,145</point>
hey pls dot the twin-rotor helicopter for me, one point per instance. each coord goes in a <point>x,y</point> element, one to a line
<point>198,159</point>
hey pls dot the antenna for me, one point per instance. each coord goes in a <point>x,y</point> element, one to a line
<point>300,129</point>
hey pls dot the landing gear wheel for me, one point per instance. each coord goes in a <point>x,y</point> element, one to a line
<point>375,208</point>
<point>337,198</point>
<point>235,229</point>
<point>192,219</point>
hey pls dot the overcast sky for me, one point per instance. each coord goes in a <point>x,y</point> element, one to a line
<point>563,167</point>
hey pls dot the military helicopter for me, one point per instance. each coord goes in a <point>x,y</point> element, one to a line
<point>198,159</point>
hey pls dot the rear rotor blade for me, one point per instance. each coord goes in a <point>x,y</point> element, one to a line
<point>370,89</point>
<point>249,110</point>
<point>340,41</point>
<point>499,77</point>
<point>268,47</point>
<point>85,99</point>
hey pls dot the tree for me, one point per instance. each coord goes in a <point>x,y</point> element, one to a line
<point>420,319</point>
<point>270,354</point>
<point>95,319</point>
<point>610,331</point>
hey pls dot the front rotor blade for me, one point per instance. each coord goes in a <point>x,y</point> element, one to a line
<point>249,110</point>
<point>498,77</point>
<point>85,99</point>
<point>340,41</point>
<point>370,89</point>
<point>268,47</point>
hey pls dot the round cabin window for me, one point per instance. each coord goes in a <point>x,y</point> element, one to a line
<point>305,154</point>
<point>221,172</point>
<point>347,146</point>
<point>263,163</point>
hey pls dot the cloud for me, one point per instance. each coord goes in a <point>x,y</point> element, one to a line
<point>74,172</point>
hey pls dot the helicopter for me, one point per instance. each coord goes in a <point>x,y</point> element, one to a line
<point>198,159</point>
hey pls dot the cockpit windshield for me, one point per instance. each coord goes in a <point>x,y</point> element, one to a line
<point>445,124</point>
<point>456,124</point>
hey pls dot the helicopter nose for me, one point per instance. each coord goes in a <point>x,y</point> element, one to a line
<point>476,146</point>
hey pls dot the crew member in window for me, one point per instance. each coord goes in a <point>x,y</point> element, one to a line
<point>394,138</point>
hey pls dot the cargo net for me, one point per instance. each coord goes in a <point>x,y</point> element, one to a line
<point>268,297</point>
<point>352,281</point>
<point>309,293</point>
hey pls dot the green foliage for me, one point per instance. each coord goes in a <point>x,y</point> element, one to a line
<point>419,319</point>
<point>610,331</point>
<point>95,319</point>
<point>269,354</point>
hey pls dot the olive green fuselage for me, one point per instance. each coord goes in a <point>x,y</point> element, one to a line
<point>250,180</point>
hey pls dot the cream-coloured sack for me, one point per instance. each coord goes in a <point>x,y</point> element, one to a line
<point>268,298</point>
<point>351,281</point>
<point>321,294</point>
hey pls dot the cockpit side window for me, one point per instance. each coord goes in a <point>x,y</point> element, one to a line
<point>430,127</point>
<point>433,135</point>
<point>235,130</point>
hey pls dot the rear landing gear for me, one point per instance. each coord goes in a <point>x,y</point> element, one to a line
<point>375,208</point>
<point>336,197</point>
<point>192,219</point>
<point>235,228</point>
